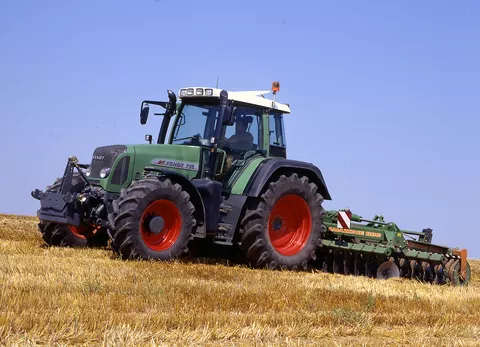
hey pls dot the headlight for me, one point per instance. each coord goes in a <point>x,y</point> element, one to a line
<point>104,172</point>
<point>88,171</point>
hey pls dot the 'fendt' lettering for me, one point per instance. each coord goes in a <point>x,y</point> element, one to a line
<point>98,157</point>
<point>175,164</point>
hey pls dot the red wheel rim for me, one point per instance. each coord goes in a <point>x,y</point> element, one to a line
<point>167,237</point>
<point>289,225</point>
<point>80,231</point>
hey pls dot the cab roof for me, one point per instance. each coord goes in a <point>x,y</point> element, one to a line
<point>253,97</point>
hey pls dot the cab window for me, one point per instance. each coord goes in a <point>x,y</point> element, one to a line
<point>277,135</point>
<point>245,134</point>
<point>195,119</point>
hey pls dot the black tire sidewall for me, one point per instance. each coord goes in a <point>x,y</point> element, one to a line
<point>69,238</point>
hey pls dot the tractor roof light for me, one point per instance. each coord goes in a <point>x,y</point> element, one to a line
<point>275,87</point>
<point>196,91</point>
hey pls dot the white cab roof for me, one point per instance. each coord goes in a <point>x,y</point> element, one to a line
<point>251,97</point>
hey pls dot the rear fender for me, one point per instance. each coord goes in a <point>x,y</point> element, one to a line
<point>271,169</point>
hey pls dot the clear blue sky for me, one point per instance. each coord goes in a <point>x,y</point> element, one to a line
<point>384,94</point>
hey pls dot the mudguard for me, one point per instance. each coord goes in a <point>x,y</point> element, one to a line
<point>273,166</point>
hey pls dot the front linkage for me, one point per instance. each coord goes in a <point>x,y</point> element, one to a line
<point>75,202</point>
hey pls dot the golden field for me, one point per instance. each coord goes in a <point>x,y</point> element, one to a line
<point>60,296</point>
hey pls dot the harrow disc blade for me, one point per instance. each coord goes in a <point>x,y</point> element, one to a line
<point>387,270</point>
<point>371,267</point>
<point>404,267</point>
<point>348,264</point>
<point>439,275</point>
<point>358,265</point>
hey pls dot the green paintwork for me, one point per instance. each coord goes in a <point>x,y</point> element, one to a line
<point>359,247</point>
<point>387,232</point>
<point>433,257</point>
<point>106,183</point>
<point>383,239</point>
<point>189,155</point>
<point>142,156</point>
<point>243,175</point>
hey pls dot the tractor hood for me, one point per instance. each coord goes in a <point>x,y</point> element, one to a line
<point>179,158</point>
<point>124,163</point>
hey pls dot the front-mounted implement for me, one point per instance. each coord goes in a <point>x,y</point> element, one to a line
<point>375,248</point>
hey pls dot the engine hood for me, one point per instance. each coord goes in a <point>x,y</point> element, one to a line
<point>128,162</point>
<point>180,158</point>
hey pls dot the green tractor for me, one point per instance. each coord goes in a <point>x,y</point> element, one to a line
<point>218,173</point>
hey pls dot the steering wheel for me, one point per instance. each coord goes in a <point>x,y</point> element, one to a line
<point>194,140</point>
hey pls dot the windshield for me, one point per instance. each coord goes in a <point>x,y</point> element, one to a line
<point>195,121</point>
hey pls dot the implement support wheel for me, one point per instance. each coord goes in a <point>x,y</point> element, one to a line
<point>454,274</point>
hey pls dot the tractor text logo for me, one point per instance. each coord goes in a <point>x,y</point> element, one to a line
<point>175,164</point>
<point>98,157</point>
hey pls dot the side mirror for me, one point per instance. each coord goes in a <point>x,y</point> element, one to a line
<point>172,103</point>
<point>144,114</point>
<point>229,116</point>
<point>149,138</point>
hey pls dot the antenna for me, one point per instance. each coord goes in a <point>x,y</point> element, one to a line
<point>217,82</point>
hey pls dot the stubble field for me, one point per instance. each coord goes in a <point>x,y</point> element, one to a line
<point>60,296</point>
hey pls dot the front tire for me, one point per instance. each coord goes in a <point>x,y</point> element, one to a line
<point>136,208</point>
<point>284,229</point>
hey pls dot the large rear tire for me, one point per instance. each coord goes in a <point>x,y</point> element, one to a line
<point>284,228</point>
<point>54,234</point>
<point>158,201</point>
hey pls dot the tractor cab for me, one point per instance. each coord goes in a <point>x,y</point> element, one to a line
<point>228,126</point>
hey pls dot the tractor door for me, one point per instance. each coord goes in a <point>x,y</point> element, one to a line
<point>241,141</point>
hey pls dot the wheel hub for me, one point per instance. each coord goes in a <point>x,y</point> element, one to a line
<point>160,225</point>
<point>156,225</point>
<point>277,224</point>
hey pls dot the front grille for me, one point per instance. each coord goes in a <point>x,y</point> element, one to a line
<point>104,157</point>
<point>145,173</point>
